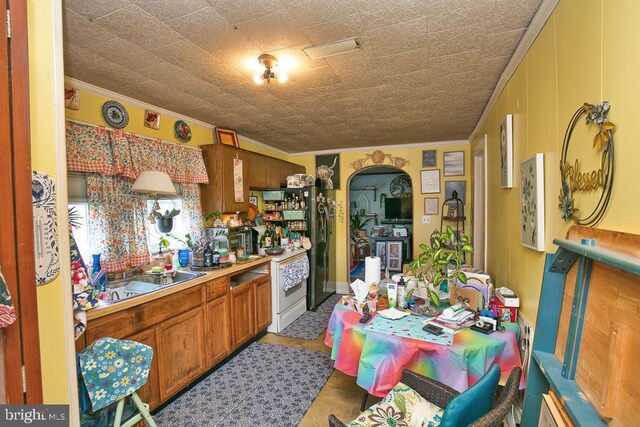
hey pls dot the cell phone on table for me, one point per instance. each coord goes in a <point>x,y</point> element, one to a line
<point>432,329</point>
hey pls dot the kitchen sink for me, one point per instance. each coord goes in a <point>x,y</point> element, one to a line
<point>135,286</point>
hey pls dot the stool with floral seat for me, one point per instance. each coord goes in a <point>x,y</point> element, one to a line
<point>114,369</point>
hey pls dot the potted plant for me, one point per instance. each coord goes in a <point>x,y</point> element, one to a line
<point>215,216</point>
<point>441,262</point>
<point>165,220</point>
<point>357,224</point>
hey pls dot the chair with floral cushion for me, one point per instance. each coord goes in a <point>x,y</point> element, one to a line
<point>114,369</point>
<point>421,401</point>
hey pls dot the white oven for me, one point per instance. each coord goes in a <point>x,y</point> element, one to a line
<point>286,306</point>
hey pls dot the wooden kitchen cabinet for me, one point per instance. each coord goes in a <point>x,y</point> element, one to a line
<point>243,319</point>
<point>258,172</point>
<point>218,194</point>
<point>263,303</point>
<point>181,351</point>
<point>150,392</point>
<point>218,336</point>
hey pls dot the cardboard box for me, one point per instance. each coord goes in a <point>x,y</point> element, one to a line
<point>354,305</point>
<point>505,314</point>
<point>468,295</point>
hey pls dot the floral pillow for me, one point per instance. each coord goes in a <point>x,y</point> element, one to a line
<point>402,407</point>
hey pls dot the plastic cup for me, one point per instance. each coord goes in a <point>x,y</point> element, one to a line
<point>183,257</point>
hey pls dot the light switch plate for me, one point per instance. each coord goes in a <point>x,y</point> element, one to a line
<point>426,219</point>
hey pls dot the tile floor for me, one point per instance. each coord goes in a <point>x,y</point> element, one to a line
<point>340,395</point>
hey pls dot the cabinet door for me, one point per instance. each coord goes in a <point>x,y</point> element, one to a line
<point>273,174</point>
<point>150,392</point>
<point>229,203</point>
<point>218,337</point>
<point>211,193</point>
<point>242,314</point>
<point>263,303</point>
<point>181,355</point>
<point>258,171</point>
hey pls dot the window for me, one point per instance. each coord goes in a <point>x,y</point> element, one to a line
<point>153,234</point>
<point>79,216</point>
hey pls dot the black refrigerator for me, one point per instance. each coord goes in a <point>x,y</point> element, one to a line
<point>320,217</point>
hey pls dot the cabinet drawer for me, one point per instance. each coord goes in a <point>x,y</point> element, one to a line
<point>216,288</point>
<point>134,319</point>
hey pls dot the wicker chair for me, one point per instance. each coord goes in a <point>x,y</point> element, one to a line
<point>441,395</point>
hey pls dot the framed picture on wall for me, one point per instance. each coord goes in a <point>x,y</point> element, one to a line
<point>431,205</point>
<point>394,255</point>
<point>430,181</point>
<point>532,202</point>
<point>454,163</point>
<point>429,158</point>
<point>506,152</point>
<point>227,137</point>
<point>381,252</point>
<point>458,186</point>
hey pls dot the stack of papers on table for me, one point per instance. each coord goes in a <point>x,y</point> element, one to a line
<point>454,324</point>
<point>407,327</point>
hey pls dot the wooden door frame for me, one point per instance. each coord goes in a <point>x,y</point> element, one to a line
<point>16,224</point>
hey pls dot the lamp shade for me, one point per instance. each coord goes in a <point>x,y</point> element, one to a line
<point>154,182</point>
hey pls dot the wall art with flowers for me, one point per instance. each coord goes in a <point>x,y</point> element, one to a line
<point>532,202</point>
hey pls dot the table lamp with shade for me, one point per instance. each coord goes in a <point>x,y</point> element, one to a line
<point>157,183</point>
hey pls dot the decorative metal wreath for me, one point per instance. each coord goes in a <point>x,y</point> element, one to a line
<point>603,142</point>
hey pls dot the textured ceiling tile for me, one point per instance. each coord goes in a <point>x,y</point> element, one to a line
<point>236,11</point>
<point>273,32</point>
<point>206,28</point>
<point>116,73</point>
<point>449,14</point>
<point>92,9</point>
<point>168,74</point>
<point>137,26</point>
<point>242,56</point>
<point>78,31</point>
<point>127,54</point>
<point>512,15</point>
<point>81,58</point>
<point>164,10</point>
<point>456,40</point>
<point>295,60</point>
<point>397,38</point>
<point>317,77</point>
<point>337,29</point>
<point>501,44</point>
<point>311,12</point>
<point>196,61</point>
<point>380,13</point>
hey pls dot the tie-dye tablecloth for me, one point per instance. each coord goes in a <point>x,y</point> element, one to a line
<point>377,359</point>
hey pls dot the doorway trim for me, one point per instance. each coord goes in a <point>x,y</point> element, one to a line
<point>348,209</point>
<point>480,200</point>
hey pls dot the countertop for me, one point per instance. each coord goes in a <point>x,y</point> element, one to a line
<point>104,309</point>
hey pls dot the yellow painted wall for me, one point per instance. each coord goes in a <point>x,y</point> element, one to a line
<point>43,159</point>
<point>421,232</point>
<point>586,52</point>
<point>90,111</point>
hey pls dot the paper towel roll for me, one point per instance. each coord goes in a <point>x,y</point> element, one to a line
<point>372,267</point>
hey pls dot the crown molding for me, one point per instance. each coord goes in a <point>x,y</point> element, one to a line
<point>538,21</point>
<point>263,145</point>
<point>384,147</point>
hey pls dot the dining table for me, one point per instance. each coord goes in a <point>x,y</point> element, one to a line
<point>377,358</point>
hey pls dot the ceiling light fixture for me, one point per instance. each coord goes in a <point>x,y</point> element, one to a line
<point>332,48</point>
<point>268,69</point>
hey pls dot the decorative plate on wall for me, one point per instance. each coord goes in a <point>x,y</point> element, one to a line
<point>182,131</point>
<point>115,114</point>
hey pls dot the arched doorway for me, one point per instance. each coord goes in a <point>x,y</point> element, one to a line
<point>380,202</point>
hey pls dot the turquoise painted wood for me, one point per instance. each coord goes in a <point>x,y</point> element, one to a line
<point>576,321</point>
<point>546,371</point>
<point>553,283</point>
<point>576,404</point>
<point>607,256</point>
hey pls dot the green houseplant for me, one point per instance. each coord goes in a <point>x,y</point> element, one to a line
<point>441,261</point>
<point>357,223</point>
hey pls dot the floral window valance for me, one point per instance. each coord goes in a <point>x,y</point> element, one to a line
<point>115,152</point>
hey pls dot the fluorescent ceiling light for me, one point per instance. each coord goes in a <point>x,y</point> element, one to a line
<point>332,48</point>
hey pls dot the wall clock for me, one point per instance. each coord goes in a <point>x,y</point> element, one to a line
<point>400,186</point>
<point>115,114</point>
